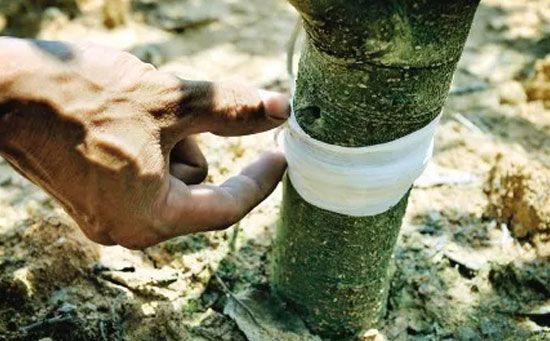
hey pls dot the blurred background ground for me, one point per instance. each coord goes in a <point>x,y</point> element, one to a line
<point>472,262</point>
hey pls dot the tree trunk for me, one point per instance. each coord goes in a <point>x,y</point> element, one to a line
<point>371,71</point>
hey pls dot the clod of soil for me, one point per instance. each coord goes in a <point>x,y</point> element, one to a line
<point>115,13</point>
<point>518,195</point>
<point>55,253</point>
<point>538,88</point>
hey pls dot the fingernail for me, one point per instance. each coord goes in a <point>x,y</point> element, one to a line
<point>277,106</point>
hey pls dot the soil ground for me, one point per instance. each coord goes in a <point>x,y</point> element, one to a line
<point>472,261</point>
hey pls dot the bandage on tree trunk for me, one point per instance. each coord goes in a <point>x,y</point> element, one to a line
<point>371,71</point>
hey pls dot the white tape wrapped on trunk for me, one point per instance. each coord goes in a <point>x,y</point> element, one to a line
<point>357,182</point>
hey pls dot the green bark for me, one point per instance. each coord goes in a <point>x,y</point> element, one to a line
<point>371,71</point>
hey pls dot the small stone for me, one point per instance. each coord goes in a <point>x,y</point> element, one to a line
<point>373,335</point>
<point>467,333</point>
<point>149,309</point>
<point>67,308</point>
<point>512,92</point>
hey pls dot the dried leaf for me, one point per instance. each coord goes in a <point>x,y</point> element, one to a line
<point>261,317</point>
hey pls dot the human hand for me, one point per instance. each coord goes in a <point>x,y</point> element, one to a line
<point>110,138</point>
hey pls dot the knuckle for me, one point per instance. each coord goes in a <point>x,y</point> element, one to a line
<point>253,186</point>
<point>148,67</point>
<point>230,216</point>
<point>126,59</point>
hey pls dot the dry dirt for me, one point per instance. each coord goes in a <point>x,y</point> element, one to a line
<point>472,262</point>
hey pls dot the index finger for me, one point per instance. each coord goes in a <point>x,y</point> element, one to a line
<point>232,109</point>
<point>190,209</point>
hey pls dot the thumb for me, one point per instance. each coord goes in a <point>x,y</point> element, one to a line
<point>232,109</point>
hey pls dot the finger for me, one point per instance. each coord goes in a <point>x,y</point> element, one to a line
<point>206,207</point>
<point>231,109</point>
<point>187,163</point>
<point>188,174</point>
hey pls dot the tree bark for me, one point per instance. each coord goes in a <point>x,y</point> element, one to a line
<point>371,71</point>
